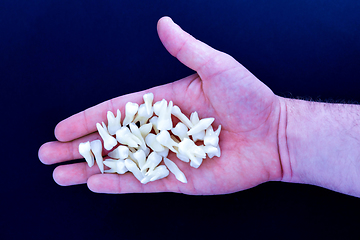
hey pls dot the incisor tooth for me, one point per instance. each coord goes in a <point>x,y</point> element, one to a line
<point>130,111</point>
<point>85,151</point>
<point>109,141</point>
<point>96,148</point>
<point>148,100</point>
<point>175,170</point>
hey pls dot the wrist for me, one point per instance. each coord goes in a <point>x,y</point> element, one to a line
<point>318,145</point>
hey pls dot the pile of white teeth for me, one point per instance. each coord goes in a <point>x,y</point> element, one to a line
<point>145,137</point>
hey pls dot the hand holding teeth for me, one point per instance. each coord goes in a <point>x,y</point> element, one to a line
<point>144,139</point>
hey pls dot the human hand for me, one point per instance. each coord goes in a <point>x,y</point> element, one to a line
<point>222,88</point>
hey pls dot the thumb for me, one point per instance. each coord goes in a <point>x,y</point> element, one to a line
<point>200,57</point>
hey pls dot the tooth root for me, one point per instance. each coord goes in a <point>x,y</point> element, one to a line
<point>194,118</point>
<point>96,148</point>
<point>148,100</point>
<point>124,136</point>
<point>130,111</point>
<point>85,151</point>
<point>109,141</point>
<point>140,157</point>
<point>114,122</point>
<point>132,167</point>
<point>177,113</point>
<point>156,174</point>
<point>135,130</point>
<point>164,139</point>
<point>201,126</point>
<point>152,161</point>
<point>175,170</point>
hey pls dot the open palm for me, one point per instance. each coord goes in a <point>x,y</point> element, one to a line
<point>222,88</point>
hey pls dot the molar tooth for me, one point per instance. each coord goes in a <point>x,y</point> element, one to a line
<point>114,122</point>
<point>180,130</point>
<point>85,151</point>
<point>96,148</point>
<point>175,170</point>
<point>132,167</point>
<point>152,161</point>
<point>156,174</point>
<point>124,136</point>
<point>164,120</point>
<point>121,152</point>
<point>211,137</point>
<point>193,152</point>
<point>142,115</point>
<point>151,141</point>
<point>148,100</point>
<point>177,113</point>
<point>109,141</point>
<point>200,126</point>
<point>164,139</point>
<point>130,111</point>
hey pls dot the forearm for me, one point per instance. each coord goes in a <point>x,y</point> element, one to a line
<point>321,145</point>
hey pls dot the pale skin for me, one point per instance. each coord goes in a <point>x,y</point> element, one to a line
<point>264,137</point>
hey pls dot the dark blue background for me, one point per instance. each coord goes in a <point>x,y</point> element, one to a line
<point>60,57</point>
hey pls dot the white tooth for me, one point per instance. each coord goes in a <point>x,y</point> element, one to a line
<point>96,148</point>
<point>180,130</point>
<point>140,157</point>
<point>109,141</point>
<point>132,167</point>
<point>158,106</point>
<point>145,129</point>
<point>211,137</point>
<point>196,162</point>
<point>111,163</point>
<point>148,100</point>
<point>116,166</point>
<point>193,152</point>
<point>135,131</point>
<point>164,153</point>
<point>201,126</point>
<point>164,139</point>
<point>164,120</point>
<point>124,136</point>
<point>113,122</point>
<point>154,122</point>
<point>211,151</point>
<point>182,157</point>
<point>156,174</point>
<point>85,151</point>
<point>130,111</point>
<point>177,113</point>
<point>121,152</point>
<point>175,170</point>
<point>194,118</point>
<point>151,141</point>
<point>142,115</point>
<point>151,162</point>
